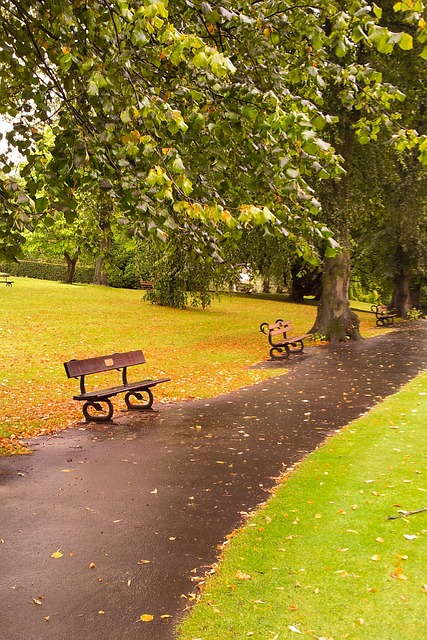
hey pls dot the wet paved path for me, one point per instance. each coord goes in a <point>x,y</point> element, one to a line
<point>167,489</point>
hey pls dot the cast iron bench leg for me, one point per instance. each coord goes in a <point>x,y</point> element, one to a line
<point>283,352</point>
<point>139,396</point>
<point>102,416</point>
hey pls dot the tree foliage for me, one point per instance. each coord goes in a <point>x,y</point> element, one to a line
<point>198,118</point>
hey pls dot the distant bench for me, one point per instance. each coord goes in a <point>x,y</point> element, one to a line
<point>4,279</point>
<point>93,399</point>
<point>146,285</point>
<point>385,316</point>
<point>281,344</point>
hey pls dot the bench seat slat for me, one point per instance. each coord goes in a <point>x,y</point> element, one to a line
<point>122,388</point>
<point>291,340</point>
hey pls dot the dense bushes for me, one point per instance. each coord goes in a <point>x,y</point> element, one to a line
<point>128,267</point>
<point>46,271</point>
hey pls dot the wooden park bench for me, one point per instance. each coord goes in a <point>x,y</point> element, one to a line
<point>385,316</point>
<point>93,399</point>
<point>146,285</point>
<point>4,279</point>
<point>281,344</point>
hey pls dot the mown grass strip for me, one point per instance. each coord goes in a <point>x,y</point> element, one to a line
<point>321,558</point>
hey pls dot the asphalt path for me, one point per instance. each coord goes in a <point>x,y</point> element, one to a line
<point>106,523</point>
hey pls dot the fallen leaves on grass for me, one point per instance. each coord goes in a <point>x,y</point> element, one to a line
<point>241,575</point>
<point>398,574</point>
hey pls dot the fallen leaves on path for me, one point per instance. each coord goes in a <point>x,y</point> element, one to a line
<point>146,617</point>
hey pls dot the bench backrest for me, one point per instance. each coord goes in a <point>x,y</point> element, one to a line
<point>280,327</point>
<point>76,368</point>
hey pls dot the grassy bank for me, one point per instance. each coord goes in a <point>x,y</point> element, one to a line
<point>322,558</point>
<point>205,352</point>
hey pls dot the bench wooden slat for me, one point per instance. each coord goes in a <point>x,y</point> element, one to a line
<point>290,340</point>
<point>284,329</point>
<point>76,368</point>
<point>276,325</point>
<point>122,388</point>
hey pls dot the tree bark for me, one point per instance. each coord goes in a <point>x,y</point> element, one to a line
<point>266,284</point>
<point>71,265</point>
<point>100,277</point>
<point>335,320</point>
<point>415,293</point>
<point>401,299</point>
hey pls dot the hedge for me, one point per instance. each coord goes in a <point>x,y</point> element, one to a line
<point>45,271</point>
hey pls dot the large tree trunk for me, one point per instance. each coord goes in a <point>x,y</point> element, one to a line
<point>100,277</point>
<point>71,265</point>
<point>401,298</point>
<point>266,284</point>
<point>335,320</point>
<point>415,293</point>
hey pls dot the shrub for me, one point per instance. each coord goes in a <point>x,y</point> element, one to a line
<point>46,271</point>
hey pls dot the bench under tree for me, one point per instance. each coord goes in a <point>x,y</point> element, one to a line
<point>282,344</point>
<point>385,316</point>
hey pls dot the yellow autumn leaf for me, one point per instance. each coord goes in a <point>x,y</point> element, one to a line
<point>146,617</point>
<point>375,558</point>
<point>57,554</point>
<point>165,615</point>
<point>398,574</point>
<point>241,575</point>
<point>66,50</point>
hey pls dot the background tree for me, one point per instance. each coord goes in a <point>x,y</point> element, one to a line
<point>57,238</point>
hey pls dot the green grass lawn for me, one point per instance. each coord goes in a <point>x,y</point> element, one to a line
<point>205,352</point>
<point>321,558</point>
